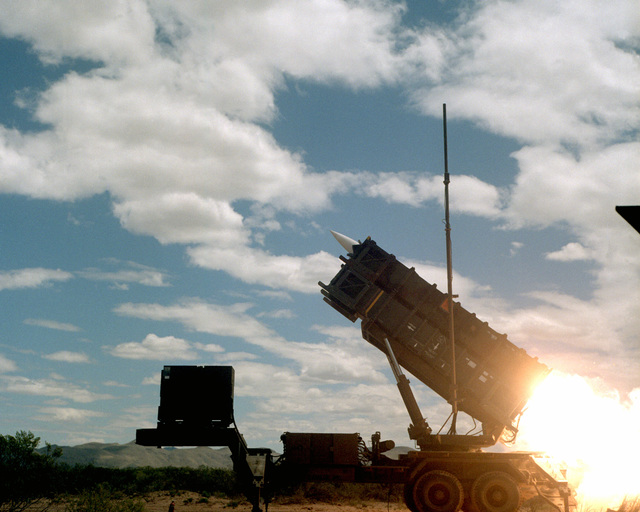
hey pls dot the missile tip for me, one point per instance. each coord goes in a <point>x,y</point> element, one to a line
<point>345,241</point>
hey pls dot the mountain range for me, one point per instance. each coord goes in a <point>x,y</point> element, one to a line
<point>113,455</point>
<point>131,455</point>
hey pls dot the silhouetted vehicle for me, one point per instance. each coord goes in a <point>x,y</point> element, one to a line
<point>409,320</point>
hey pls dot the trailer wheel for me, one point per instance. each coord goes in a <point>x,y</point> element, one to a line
<point>408,496</point>
<point>495,492</point>
<point>437,491</point>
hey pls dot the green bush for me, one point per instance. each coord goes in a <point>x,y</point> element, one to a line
<point>102,499</point>
<point>26,476</point>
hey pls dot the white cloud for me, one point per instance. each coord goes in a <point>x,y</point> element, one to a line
<point>544,71</point>
<point>183,218</point>
<point>132,273</point>
<point>68,357</point>
<point>177,142</point>
<point>121,32</point>
<point>306,405</point>
<point>67,414</point>
<point>275,294</point>
<point>326,40</point>
<point>338,359</point>
<point>556,186</point>
<point>234,357</point>
<point>570,252</point>
<point>515,248</point>
<point>31,278</point>
<point>575,336</point>
<point>404,188</point>
<point>49,387</point>
<point>562,78</point>
<point>255,266</point>
<point>470,195</point>
<point>209,347</point>
<point>7,365</point>
<point>155,348</point>
<point>52,324</point>
<point>222,320</point>
<point>115,384</point>
<point>155,380</point>
<point>278,313</point>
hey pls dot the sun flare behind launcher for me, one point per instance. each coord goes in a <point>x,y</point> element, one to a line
<point>495,378</point>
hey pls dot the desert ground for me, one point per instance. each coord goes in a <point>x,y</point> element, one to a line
<point>188,502</point>
<point>194,502</point>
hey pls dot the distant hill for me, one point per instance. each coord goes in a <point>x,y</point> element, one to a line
<point>131,455</point>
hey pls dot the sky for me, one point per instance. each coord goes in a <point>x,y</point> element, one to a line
<point>170,173</point>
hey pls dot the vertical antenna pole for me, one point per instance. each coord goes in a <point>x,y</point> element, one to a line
<point>454,384</point>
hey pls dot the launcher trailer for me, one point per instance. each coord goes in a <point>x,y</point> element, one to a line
<point>406,318</point>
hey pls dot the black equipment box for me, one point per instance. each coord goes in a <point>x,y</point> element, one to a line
<point>196,396</point>
<point>321,449</point>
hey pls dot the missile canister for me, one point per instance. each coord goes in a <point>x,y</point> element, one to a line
<point>495,378</point>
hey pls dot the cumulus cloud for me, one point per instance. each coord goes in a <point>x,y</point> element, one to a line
<point>178,139</point>
<point>183,218</point>
<point>544,71</point>
<point>570,252</point>
<point>256,266</point>
<point>91,33</point>
<point>471,195</point>
<point>155,348</point>
<point>31,278</point>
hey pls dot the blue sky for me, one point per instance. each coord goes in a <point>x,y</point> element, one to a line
<point>169,174</point>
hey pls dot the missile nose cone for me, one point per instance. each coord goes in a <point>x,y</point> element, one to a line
<point>345,241</point>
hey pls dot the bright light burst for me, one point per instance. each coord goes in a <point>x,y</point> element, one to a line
<point>594,432</point>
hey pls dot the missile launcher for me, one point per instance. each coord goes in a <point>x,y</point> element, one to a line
<point>495,378</point>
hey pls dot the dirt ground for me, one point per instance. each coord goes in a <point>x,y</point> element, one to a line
<point>190,502</point>
<point>160,503</point>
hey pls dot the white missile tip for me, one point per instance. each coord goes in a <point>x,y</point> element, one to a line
<point>345,241</point>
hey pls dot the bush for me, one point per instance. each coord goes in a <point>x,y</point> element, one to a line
<point>341,492</point>
<point>26,476</point>
<point>139,481</point>
<point>102,499</point>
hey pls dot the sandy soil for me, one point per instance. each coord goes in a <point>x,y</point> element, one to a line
<point>189,502</point>
<point>160,503</point>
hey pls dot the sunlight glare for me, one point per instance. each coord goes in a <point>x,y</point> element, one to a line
<point>592,431</point>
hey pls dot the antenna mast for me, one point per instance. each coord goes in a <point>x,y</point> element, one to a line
<point>454,384</point>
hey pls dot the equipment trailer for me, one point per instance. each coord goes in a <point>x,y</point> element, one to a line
<point>407,319</point>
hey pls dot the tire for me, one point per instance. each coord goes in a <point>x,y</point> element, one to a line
<point>408,496</point>
<point>495,492</point>
<point>437,491</point>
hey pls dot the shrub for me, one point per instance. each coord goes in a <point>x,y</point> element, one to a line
<point>102,499</point>
<point>26,476</point>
